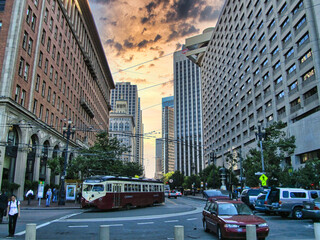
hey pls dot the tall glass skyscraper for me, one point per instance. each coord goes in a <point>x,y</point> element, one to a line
<point>188,115</point>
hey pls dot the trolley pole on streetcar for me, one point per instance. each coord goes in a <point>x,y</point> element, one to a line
<point>68,131</point>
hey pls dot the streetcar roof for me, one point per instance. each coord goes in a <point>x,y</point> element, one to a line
<point>100,178</point>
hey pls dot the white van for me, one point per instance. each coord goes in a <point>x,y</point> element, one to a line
<point>287,200</point>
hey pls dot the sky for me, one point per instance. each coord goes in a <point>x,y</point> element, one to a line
<point>139,38</point>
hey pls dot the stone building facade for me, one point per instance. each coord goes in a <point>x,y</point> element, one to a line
<point>53,69</point>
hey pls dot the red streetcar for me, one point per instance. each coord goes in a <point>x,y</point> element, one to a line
<point>109,192</point>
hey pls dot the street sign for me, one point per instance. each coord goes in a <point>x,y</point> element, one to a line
<point>263,178</point>
<point>170,180</point>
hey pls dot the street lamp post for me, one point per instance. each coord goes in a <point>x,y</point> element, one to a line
<point>260,134</point>
<point>68,131</point>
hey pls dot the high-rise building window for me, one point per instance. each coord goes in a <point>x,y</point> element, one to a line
<point>24,40</point>
<point>29,13</point>
<point>43,91</point>
<point>21,65</point>
<point>26,72</point>
<point>23,97</point>
<point>37,83</point>
<point>34,109</point>
<point>41,111</point>
<point>2,5</point>
<point>30,44</point>
<point>33,22</point>
<point>17,93</point>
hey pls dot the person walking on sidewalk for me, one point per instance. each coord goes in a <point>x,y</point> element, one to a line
<point>3,204</point>
<point>29,195</point>
<point>48,195</point>
<point>13,213</point>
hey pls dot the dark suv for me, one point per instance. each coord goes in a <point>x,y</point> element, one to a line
<point>249,196</point>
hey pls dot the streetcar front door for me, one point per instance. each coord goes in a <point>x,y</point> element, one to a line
<point>116,195</point>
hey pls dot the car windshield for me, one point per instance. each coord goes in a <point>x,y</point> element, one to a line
<point>234,209</point>
<point>254,192</point>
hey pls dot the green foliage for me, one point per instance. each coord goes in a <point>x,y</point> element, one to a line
<point>276,147</point>
<point>211,176</point>
<point>103,159</point>
<point>56,165</point>
<point>309,174</point>
<point>177,179</point>
<point>192,180</point>
<point>30,185</point>
<point>9,187</point>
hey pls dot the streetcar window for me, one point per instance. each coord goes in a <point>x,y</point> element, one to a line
<point>139,188</point>
<point>126,187</point>
<point>97,188</point>
<point>87,188</point>
<point>109,187</point>
<point>145,188</point>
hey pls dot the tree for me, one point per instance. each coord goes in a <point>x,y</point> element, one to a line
<point>211,176</point>
<point>276,148</point>
<point>103,158</point>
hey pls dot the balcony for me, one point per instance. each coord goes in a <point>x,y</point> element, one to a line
<point>311,99</point>
<point>90,66</point>
<point>306,62</point>
<point>286,44</point>
<point>295,108</point>
<point>302,47</point>
<point>292,74</point>
<point>281,116</point>
<point>309,80</point>
<point>86,107</point>
<point>293,91</point>
<point>280,100</point>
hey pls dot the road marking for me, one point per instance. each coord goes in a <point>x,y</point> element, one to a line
<point>169,200</point>
<point>87,220</point>
<point>145,223</point>
<point>115,225</point>
<point>170,221</point>
<point>191,219</point>
<point>47,223</point>
<point>79,226</point>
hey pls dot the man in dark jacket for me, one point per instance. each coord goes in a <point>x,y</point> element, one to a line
<point>3,204</point>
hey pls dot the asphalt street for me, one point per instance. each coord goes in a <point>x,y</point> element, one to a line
<point>154,223</point>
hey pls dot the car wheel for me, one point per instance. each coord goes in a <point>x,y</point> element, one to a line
<point>284,214</point>
<point>219,234</point>
<point>297,213</point>
<point>205,226</point>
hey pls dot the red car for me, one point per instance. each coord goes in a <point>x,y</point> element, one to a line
<point>228,219</point>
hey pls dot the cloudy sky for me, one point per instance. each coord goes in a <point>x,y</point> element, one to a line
<point>139,38</point>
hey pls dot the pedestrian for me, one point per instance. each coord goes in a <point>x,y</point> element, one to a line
<point>29,195</point>
<point>3,205</point>
<point>54,195</point>
<point>13,213</point>
<point>48,196</point>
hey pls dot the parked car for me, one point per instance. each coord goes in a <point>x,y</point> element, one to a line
<point>249,196</point>
<point>228,219</point>
<point>216,194</point>
<point>286,201</point>
<point>311,210</point>
<point>179,194</point>
<point>260,203</point>
<point>172,193</point>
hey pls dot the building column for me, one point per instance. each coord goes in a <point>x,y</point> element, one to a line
<point>20,170</point>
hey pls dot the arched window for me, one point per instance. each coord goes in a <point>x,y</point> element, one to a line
<point>127,127</point>
<point>121,127</point>
<point>115,126</point>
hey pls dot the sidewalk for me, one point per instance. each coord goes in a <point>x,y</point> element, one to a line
<point>197,196</point>
<point>34,205</point>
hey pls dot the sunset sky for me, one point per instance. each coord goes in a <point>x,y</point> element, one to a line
<point>139,38</point>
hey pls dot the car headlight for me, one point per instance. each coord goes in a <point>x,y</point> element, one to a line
<point>263,225</point>
<point>231,225</point>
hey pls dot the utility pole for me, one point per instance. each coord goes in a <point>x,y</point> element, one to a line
<point>260,134</point>
<point>68,131</point>
<point>241,172</point>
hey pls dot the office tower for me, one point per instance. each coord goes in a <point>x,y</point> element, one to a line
<point>140,131</point>
<point>261,65</point>
<point>159,159</point>
<point>53,69</point>
<point>188,116</point>
<point>128,92</point>
<point>122,127</point>
<point>168,135</point>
